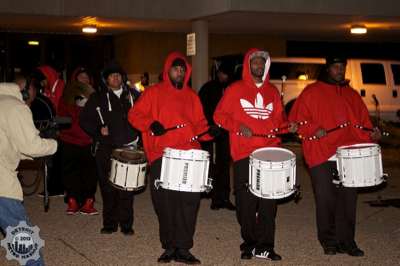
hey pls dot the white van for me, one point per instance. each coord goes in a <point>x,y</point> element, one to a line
<point>377,81</point>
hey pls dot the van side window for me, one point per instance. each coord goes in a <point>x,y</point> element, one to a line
<point>396,73</point>
<point>295,71</point>
<point>373,73</point>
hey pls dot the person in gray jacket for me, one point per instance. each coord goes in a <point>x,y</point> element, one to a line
<point>19,139</point>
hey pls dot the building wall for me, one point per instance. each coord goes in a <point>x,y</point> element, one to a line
<point>146,51</point>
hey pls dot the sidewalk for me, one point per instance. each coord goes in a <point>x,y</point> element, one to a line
<point>75,240</point>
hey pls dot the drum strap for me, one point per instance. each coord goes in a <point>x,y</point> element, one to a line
<point>94,148</point>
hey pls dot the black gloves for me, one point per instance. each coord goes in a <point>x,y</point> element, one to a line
<point>214,131</point>
<point>157,128</point>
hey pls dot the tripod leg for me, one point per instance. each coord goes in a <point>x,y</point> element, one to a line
<point>46,192</point>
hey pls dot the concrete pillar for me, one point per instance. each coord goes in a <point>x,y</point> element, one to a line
<point>200,60</point>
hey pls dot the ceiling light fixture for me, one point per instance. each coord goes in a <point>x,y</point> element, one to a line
<point>358,29</point>
<point>33,43</point>
<point>89,29</point>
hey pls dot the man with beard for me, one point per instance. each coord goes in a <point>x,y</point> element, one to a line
<point>164,105</point>
<point>250,107</point>
<point>210,94</point>
<point>326,104</point>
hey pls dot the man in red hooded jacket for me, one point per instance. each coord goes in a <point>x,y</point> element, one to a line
<point>164,105</point>
<point>248,107</point>
<point>327,104</point>
<point>52,84</point>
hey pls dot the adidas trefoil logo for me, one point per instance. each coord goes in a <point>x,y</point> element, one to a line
<point>258,111</point>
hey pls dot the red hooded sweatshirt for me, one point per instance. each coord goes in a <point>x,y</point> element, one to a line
<point>55,86</point>
<point>170,106</point>
<point>259,108</point>
<point>327,106</point>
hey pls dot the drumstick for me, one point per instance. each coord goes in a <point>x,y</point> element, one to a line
<point>268,136</point>
<point>327,131</point>
<point>100,116</point>
<point>198,136</point>
<point>175,127</point>
<point>384,133</point>
<point>301,123</point>
<point>338,127</point>
<point>172,128</point>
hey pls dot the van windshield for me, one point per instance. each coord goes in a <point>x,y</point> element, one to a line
<point>295,71</point>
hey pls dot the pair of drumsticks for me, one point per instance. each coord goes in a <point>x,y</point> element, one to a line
<point>314,137</point>
<point>274,131</point>
<point>346,124</point>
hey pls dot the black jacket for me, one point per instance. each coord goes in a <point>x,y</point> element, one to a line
<point>114,111</point>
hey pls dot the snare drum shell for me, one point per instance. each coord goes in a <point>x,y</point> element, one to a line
<point>126,176</point>
<point>360,165</point>
<point>185,170</point>
<point>275,178</point>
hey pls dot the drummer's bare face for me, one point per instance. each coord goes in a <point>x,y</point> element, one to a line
<point>114,81</point>
<point>83,77</point>
<point>337,71</point>
<point>177,76</point>
<point>257,67</point>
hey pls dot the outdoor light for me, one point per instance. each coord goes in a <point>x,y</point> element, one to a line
<point>89,29</point>
<point>358,29</point>
<point>302,77</point>
<point>34,43</point>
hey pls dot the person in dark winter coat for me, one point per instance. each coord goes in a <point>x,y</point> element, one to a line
<point>109,132</point>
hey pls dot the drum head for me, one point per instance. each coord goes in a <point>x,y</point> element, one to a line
<point>128,156</point>
<point>272,154</point>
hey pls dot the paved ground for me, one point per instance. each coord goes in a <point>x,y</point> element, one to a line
<point>75,240</point>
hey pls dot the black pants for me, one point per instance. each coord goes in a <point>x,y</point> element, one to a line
<point>54,166</point>
<point>117,204</point>
<point>78,171</point>
<point>335,207</point>
<point>256,215</point>
<point>176,212</point>
<point>219,171</point>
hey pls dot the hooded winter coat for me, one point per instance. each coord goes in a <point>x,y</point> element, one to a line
<point>258,108</point>
<point>55,86</point>
<point>327,105</point>
<point>19,139</point>
<point>170,106</point>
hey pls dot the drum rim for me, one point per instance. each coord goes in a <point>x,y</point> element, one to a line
<point>127,161</point>
<point>359,145</point>
<point>168,152</point>
<point>274,148</point>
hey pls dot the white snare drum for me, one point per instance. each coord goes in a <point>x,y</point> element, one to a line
<point>128,169</point>
<point>185,170</point>
<point>272,173</point>
<point>360,165</point>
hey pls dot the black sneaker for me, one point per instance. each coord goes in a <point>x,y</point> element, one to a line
<point>108,230</point>
<point>184,256</point>
<point>267,254</point>
<point>127,231</point>
<point>246,255</point>
<point>350,249</point>
<point>167,256</point>
<point>329,250</point>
